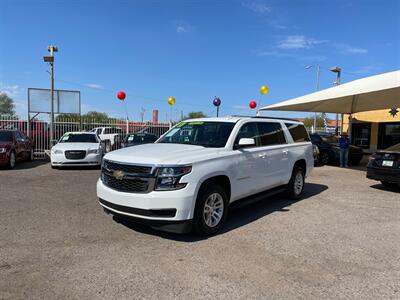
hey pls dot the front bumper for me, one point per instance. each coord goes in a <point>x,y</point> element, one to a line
<point>390,175</point>
<point>59,160</point>
<point>170,206</point>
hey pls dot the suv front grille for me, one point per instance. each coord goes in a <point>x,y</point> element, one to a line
<point>136,185</point>
<point>75,154</point>
<point>131,169</point>
<point>127,178</point>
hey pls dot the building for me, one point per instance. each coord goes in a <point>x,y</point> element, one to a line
<point>374,130</point>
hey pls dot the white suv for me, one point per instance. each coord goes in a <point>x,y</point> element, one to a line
<point>200,167</point>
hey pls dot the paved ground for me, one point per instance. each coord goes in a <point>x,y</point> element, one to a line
<point>341,242</point>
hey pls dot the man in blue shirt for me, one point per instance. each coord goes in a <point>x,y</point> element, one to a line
<point>344,143</point>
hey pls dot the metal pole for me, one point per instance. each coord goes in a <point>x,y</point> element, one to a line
<point>217,111</point>
<point>317,88</point>
<point>51,101</point>
<point>337,115</point>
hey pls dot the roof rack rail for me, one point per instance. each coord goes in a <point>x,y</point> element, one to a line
<point>266,117</point>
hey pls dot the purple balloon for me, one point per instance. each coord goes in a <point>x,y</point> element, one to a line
<point>217,101</point>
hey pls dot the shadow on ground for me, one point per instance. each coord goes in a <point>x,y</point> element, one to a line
<point>237,217</point>
<point>381,187</point>
<point>25,165</point>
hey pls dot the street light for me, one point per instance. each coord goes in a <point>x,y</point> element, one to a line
<point>317,88</point>
<point>50,59</point>
<point>338,71</point>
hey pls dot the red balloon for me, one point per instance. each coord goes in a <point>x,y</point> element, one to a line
<point>121,95</point>
<point>252,104</point>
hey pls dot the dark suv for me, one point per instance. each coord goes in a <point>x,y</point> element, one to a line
<point>329,150</point>
<point>14,146</point>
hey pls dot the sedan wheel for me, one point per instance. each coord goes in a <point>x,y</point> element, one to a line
<point>213,210</point>
<point>11,162</point>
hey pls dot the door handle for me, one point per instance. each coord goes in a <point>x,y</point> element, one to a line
<point>262,155</point>
<point>286,151</point>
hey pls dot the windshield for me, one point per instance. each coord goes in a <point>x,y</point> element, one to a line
<point>330,139</point>
<point>206,134</point>
<point>395,148</point>
<point>6,136</point>
<point>79,138</point>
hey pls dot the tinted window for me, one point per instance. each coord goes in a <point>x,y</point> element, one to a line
<point>271,134</point>
<point>395,148</point>
<point>140,138</point>
<point>6,136</point>
<point>248,131</point>
<point>298,132</point>
<point>79,138</point>
<point>206,134</point>
<point>18,136</point>
<point>315,138</point>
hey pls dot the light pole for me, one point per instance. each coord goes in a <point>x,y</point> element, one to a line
<point>338,71</point>
<point>317,88</point>
<point>50,60</point>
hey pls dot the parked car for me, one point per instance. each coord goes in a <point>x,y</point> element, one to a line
<point>14,146</point>
<point>194,172</point>
<point>111,136</point>
<point>77,149</point>
<point>384,166</point>
<point>316,155</point>
<point>329,150</point>
<point>134,139</point>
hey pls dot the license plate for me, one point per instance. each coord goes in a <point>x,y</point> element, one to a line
<point>387,163</point>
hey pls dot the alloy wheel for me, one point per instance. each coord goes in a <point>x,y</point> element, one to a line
<point>213,209</point>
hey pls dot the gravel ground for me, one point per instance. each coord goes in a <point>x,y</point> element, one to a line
<point>342,241</point>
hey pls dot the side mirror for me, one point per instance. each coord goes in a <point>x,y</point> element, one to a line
<point>246,142</point>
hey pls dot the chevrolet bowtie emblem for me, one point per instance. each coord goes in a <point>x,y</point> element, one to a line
<point>119,175</point>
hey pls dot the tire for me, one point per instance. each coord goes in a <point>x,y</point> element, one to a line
<point>31,156</point>
<point>296,184</point>
<point>389,184</point>
<point>324,158</point>
<point>211,199</point>
<point>12,160</point>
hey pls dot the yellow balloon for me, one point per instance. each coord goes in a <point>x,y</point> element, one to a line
<point>171,100</point>
<point>264,89</point>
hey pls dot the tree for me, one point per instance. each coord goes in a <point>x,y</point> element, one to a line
<point>195,115</point>
<point>6,105</point>
<point>91,116</point>
<point>309,121</point>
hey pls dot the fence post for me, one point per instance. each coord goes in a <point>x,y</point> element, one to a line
<point>127,125</point>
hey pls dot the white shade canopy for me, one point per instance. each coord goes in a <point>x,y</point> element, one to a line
<point>370,93</point>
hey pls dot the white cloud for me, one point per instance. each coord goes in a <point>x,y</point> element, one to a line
<point>257,7</point>
<point>10,90</point>
<point>348,49</point>
<point>366,70</point>
<point>183,27</point>
<point>94,86</point>
<point>298,42</point>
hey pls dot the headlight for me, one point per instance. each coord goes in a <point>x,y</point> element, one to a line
<point>3,150</point>
<point>93,151</point>
<point>168,178</point>
<point>56,151</point>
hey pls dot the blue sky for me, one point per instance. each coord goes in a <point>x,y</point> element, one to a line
<point>193,50</point>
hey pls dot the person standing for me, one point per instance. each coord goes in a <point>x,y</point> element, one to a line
<point>344,144</point>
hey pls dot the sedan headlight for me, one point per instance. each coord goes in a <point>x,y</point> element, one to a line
<point>93,151</point>
<point>168,178</point>
<point>3,150</point>
<point>56,151</point>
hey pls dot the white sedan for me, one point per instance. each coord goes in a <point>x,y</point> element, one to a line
<point>77,149</point>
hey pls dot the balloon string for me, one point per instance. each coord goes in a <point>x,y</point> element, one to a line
<point>126,110</point>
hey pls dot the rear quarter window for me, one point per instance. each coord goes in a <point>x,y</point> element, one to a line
<point>298,132</point>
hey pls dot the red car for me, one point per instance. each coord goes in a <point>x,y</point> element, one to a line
<point>14,146</point>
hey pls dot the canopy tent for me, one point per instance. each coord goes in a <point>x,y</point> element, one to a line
<point>370,93</point>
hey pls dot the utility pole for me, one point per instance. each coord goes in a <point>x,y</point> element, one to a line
<point>338,71</point>
<point>50,59</point>
<point>317,89</point>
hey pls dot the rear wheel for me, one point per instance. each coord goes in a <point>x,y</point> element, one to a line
<point>296,184</point>
<point>324,159</point>
<point>12,160</point>
<point>211,209</point>
<point>388,184</point>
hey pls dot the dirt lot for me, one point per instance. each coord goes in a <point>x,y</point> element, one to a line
<point>342,241</point>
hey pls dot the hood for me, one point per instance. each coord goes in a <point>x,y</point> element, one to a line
<point>76,146</point>
<point>4,144</point>
<point>163,154</point>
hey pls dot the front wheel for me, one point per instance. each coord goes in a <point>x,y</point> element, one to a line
<point>12,160</point>
<point>296,184</point>
<point>211,210</point>
<point>325,158</point>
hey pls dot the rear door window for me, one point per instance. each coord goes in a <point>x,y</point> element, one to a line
<point>271,133</point>
<point>298,132</point>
